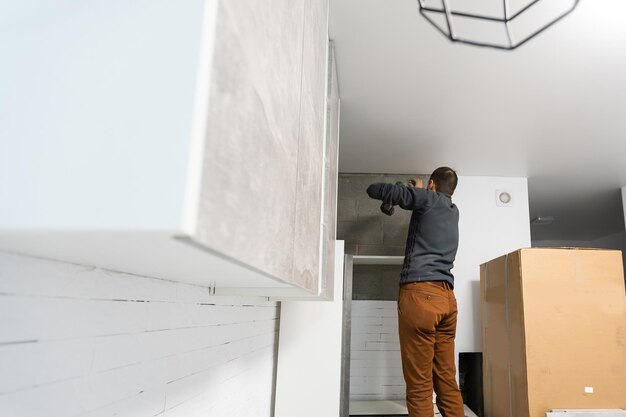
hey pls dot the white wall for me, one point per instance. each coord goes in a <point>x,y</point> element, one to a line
<point>486,232</point>
<point>80,341</point>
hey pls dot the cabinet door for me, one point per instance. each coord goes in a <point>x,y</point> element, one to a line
<point>198,155</point>
<point>247,203</point>
<point>262,193</point>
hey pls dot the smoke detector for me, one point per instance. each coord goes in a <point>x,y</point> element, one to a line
<point>504,198</point>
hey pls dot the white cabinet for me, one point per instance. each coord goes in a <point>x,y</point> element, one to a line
<point>191,141</point>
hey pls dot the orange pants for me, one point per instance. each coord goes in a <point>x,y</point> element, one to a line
<point>427,315</point>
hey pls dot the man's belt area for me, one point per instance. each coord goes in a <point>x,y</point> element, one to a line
<point>443,284</point>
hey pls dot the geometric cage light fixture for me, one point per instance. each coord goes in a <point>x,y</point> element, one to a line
<point>500,24</point>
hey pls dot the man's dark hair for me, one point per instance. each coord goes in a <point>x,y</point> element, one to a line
<point>445,180</point>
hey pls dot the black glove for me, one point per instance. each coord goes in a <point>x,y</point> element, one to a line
<point>387,209</point>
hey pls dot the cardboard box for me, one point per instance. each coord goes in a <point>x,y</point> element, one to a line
<point>554,331</point>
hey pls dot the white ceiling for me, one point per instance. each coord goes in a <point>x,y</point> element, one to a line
<point>553,110</point>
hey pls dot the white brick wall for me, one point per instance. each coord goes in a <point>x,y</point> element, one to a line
<point>81,341</point>
<point>375,365</point>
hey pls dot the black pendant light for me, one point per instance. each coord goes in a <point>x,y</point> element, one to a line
<point>507,24</point>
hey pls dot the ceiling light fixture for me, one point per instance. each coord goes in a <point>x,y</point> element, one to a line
<point>500,24</point>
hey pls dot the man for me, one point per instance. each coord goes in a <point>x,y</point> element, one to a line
<point>427,309</point>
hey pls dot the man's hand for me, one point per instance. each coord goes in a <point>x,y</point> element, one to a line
<point>416,182</point>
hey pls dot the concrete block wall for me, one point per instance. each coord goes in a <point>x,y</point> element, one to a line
<point>81,341</point>
<point>367,231</point>
<point>360,222</point>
